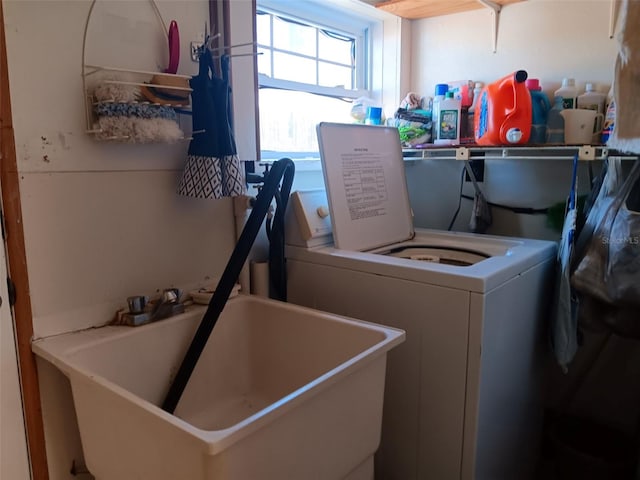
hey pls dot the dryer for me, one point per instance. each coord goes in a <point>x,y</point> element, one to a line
<point>462,395</point>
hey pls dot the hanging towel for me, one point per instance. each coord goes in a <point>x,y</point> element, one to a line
<point>212,169</point>
<point>626,134</point>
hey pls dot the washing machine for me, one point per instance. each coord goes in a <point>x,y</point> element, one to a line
<point>462,395</point>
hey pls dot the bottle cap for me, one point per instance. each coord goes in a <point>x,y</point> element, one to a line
<point>589,87</point>
<point>441,89</point>
<point>533,84</point>
<point>520,76</point>
<point>568,82</point>
<point>374,116</point>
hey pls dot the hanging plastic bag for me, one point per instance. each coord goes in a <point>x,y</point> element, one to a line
<point>609,270</point>
<point>606,189</point>
<point>623,267</point>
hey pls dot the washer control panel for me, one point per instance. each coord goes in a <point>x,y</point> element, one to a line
<point>308,219</point>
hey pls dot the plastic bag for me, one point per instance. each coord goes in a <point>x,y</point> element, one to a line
<point>414,126</point>
<point>605,189</point>
<point>609,270</point>
<point>359,108</point>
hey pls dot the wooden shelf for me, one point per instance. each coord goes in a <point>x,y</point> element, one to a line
<point>415,9</point>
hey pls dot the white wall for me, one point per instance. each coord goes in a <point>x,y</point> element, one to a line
<point>101,221</point>
<point>550,39</point>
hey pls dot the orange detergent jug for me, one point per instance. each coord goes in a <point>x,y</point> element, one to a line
<point>503,113</point>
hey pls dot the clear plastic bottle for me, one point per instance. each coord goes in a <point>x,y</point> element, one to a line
<point>555,123</point>
<point>568,92</point>
<point>476,96</point>
<point>477,90</point>
<point>448,126</point>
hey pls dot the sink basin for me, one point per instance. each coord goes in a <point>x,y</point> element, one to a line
<point>280,392</point>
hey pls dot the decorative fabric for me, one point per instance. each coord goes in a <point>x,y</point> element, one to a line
<point>140,110</point>
<point>211,177</point>
<point>137,130</point>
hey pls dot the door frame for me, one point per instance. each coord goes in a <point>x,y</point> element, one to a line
<point>14,455</point>
<point>17,271</point>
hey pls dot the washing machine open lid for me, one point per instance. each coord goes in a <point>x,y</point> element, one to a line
<point>366,185</point>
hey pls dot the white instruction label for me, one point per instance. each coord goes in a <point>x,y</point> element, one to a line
<point>364,185</point>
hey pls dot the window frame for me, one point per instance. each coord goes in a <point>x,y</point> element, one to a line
<point>389,75</point>
<point>320,16</point>
<point>323,16</point>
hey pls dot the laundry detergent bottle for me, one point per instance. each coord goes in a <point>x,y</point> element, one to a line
<point>503,114</point>
<point>540,106</point>
<point>568,92</point>
<point>448,128</point>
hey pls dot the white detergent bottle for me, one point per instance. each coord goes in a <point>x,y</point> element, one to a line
<point>568,92</point>
<point>593,100</point>
<point>448,126</point>
<point>441,90</point>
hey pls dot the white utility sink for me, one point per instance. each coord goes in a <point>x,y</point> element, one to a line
<point>280,392</point>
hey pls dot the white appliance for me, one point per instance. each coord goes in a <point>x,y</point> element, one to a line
<point>462,393</point>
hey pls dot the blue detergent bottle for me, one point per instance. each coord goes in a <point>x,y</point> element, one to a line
<point>540,106</point>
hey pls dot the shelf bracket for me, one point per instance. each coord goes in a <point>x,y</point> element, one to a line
<point>612,18</point>
<point>495,14</point>
<point>462,153</point>
<point>586,152</point>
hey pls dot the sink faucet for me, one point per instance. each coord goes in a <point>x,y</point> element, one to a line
<point>168,305</point>
<point>142,311</point>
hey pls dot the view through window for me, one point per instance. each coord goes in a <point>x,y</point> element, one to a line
<point>307,73</point>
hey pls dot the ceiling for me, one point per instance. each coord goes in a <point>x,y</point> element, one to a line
<point>415,9</point>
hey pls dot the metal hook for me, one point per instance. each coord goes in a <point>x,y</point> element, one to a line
<point>213,49</point>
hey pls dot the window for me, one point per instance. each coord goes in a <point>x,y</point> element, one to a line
<point>313,62</point>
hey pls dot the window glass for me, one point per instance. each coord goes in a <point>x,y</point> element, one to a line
<point>340,50</point>
<point>295,48</point>
<point>309,75</point>
<point>294,37</point>
<point>294,68</point>
<point>288,120</point>
<point>264,61</point>
<point>330,75</point>
<point>263,29</point>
